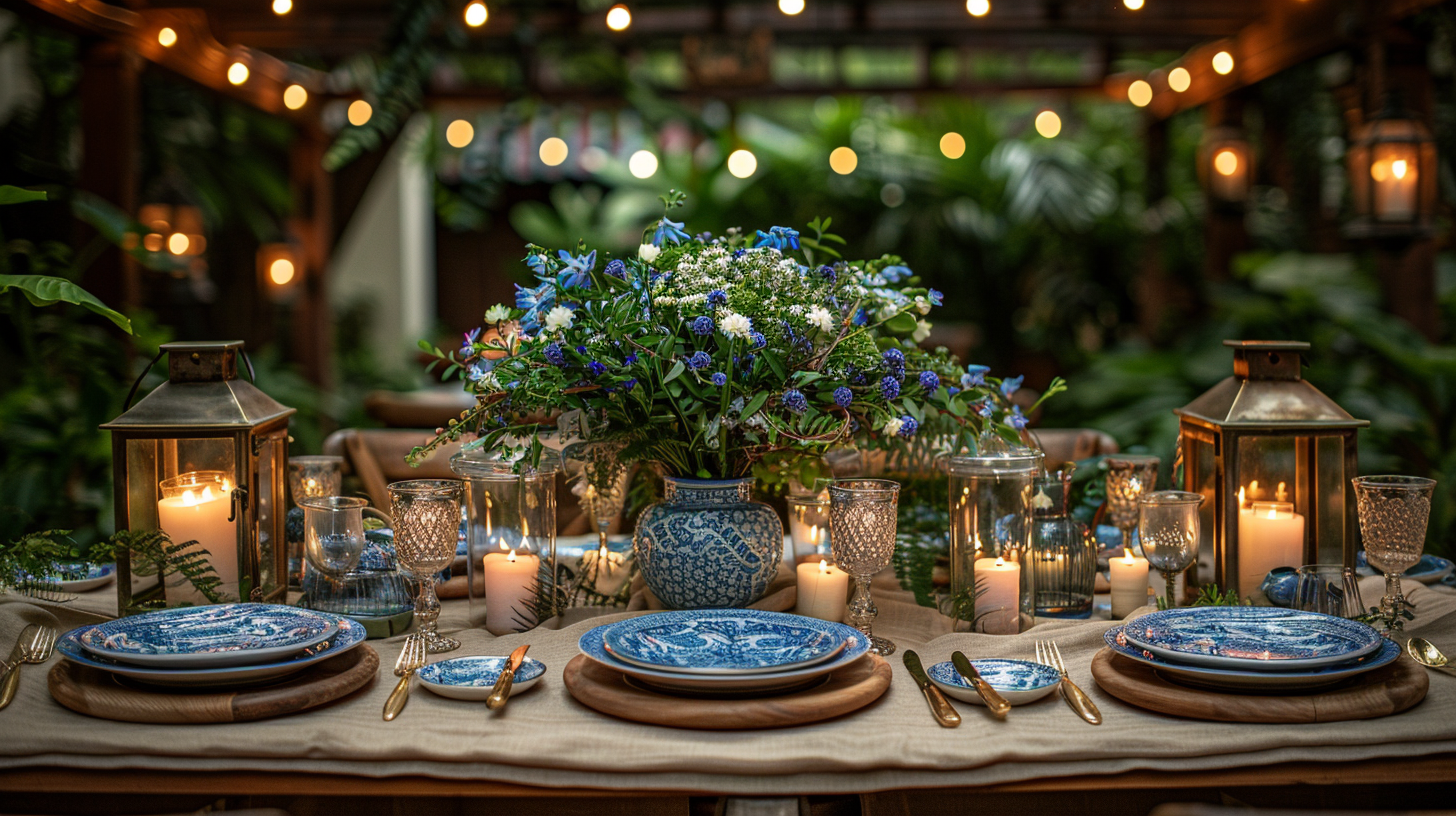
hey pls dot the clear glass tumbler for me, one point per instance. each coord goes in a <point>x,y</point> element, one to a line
<point>1393,514</point>
<point>1328,588</point>
<point>862,519</point>
<point>1064,554</point>
<point>333,532</point>
<point>426,528</point>
<point>1168,529</point>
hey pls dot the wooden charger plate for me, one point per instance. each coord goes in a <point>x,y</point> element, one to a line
<point>1385,691</point>
<point>848,689</point>
<point>100,694</point>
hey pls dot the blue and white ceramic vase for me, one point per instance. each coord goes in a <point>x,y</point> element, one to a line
<point>707,544</point>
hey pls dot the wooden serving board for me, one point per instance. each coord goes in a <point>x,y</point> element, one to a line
<point>849,689</point>
<point>1388,690</point>
<point>100,694</point>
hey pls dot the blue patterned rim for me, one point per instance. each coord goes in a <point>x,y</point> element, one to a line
<point>720,641</point>
<point>202,636</point>
<point>1234,678</point>
<point>1429,566</point>
<point>478,670</point>
<point>1252,638</point>
<point>1003,674</point>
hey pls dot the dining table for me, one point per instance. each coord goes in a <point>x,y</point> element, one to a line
<point>889,757</point>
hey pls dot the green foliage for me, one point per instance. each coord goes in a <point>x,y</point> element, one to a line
<point>28,563</point>
<point>43,290</point>
<point>1210,595</point>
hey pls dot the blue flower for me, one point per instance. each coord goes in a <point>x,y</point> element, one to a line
<point>474,371</point>
<point>890,387</point>
<point>975,375</point>
<point>893,357</point>
<point>929,380</point>
<point>951,390</point>
<point>699,360</point>
<point>1010,385</point>
<point>780,238</point>
<point>1016,419</point>
<point>703,326</point>
<point>577,271</point>
<point>908,426</point>
<point>986,410</point>
<point>537,263</point>
<point>738,253</point>
<point>936,298</point>
<point>555,356</point>
<point>719,379</point>
<point>596,368</point>
<point>467,348</point>
<point>794,401</point>
<point>668,230</point>
<point>630,384</point>
<point>630,359</point>
<point>827,273</point>
<point>581,349</point>
<point>758,340</point>
<point>705,237</point>
<point>893,274</point>
<point>843,396</point>
<point>717,297</point>
<point>617,269</point>
<point>536,302</point>
<point>861,317</point>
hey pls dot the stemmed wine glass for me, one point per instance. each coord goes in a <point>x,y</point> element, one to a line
<point>1168,529</point>
<point>426,528</point>
<point>1129,476</point>
<point>1393,514</point>
<point>862,538</point>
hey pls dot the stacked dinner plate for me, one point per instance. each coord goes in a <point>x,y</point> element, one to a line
<point>212,646</point>
<point>724,651</point>
<point>1252,648</point>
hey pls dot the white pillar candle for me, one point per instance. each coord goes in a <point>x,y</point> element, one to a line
<point>998,607</point>
<point>201,514</point>
<point>510,589</point>
<point>1271,535</point>
<point>822,591</point>
<point>1129,578</point>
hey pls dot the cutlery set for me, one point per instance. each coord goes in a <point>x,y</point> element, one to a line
<point>997,683</point>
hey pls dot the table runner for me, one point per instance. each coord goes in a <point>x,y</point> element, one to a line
<point>546,738</point>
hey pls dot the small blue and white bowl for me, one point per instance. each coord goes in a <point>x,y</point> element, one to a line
<point>473,677</point>
<point>1019,681</point>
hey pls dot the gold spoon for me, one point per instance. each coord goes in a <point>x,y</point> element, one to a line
<point>1425,653</point>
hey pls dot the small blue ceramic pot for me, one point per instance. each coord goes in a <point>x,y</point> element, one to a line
<point>1279,585</point>
<point>708,544</point>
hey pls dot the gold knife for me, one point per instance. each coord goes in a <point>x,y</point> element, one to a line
<point>502,690</point>
<point>940,708</point>
<point>990,696</point>
<point>10,678</point>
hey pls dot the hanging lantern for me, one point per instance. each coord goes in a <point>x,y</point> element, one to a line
<point>204,457</point>
<point>1392,163</point>
<point>1273,458</point>
<point>1227,164</point>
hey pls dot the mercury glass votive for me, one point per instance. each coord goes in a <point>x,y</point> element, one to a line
<point>1129,476</point>
<point>862,518</point>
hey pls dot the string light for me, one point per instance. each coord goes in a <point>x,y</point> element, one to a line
<point>167,37</point>
<point>280,271</point>
<point>791,7</point>
<point>1140,93</point>
<point>843,160</point>
<point>359,112</point>
<point>476,14</point>
<point>1133,5</point>
<point>1223,62</point>
<point>643,164</point>
<point>1048,124</point>
<point>1226,162</point>
<point>237,73</point>
<point>1179,79</point>
<point>295,97</point>
<point>953,145</point>
<point>742,163</point>
<point>554,151</point>
<point>978,8</point>
<point>618,18</point>
<point>282,7</point>
<point>460,133</point>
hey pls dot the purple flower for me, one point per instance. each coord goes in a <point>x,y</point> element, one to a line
<point>596,368</point>
<point>703,326</point>
<point>738,253</point>
<point>890,388</point>
<point>699,360</point>
<point>758,340</point>
<point>794,401</point>
<point>581,349</point>
<point>467,348</point>
<point>719,379</point>
<point>747,361</point>
<point>827,273</point>
<point>951,390</point>
<point>555,356</point>
<point>843,396</point>
<point>617,269</point>
<point>929,381</point>
<point>975,375</point>
<point>717,297</point>
<point>629,359</point>
<point>630,384</point>
<point>893,357</point>
<point>1011,385</point>
<point>908,426</point>
<point>1016,419</point>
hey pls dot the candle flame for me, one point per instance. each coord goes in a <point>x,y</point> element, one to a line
<point>1241,498</point>
<point>823,567</point>
<point>1273,513</point>
<point>1398,168</point>
<point>512,557</point>
<point>226,485</point>
<point>813,534</point>
<point>188,500</point>
<point>1127,557</point>
<point>505,546</point>
<point>207,493</point>
<point>1281,493</point>
<point>1000,562</point>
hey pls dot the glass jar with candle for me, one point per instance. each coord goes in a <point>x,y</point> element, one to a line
<point>993,584</point>
<point>1064,554</point>
<point>510,509</point>
<point>808,528</point>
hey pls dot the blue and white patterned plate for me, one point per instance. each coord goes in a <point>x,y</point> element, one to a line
<point>723,641</point>
<point>203,637</point>
<point>350,634</point>
<point>1019,681</point>
<point>1429,570</point>
<point>856,645</point>
<point>79,576</point>
<point>473,677</point>
<point>1251,638</point>
<point>1236,680</point>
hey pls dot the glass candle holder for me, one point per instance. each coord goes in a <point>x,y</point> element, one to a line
<point>862,519</point>
<point>1064,555</point>
<point>992,575</point>
<point>426,516</point>
<point>309,477</point>
<point>1393,512</point>
<point>1129,476</point>
<point>1168,530</point>
<point>808,528</point>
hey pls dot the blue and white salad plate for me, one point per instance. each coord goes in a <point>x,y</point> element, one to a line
<point>724,641</point>
<point>350,634</point>
<point>205,637</point>
<point>1251,638</point>
<point>1237,680</point>
<point>592,644</point>
<point>1019,681</point>
<point>78,576</point>
<point>1429,570</point>
<point>474,677</point>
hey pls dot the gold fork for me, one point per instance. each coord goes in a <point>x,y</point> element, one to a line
<point>411,659</point>
<point>40,648</point>
<point>1048,654</point>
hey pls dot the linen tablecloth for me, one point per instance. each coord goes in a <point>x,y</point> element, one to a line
<point>546,738</point>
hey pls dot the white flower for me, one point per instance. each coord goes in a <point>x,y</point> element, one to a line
<point>559,318</point>
<point>735,325</point>
<point>820,318</point>
<point>648,252</point>
<point>497,313</point>
<point>888,311</point>
<point>892,427</point>
<point>922,331</point>
<point>922,305</point>
<point>489,382</point>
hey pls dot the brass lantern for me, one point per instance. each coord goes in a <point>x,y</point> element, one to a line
<point>1227,166</point>
<point>204,457</point>
<point>1273,458</point>
<point>1392,163</point>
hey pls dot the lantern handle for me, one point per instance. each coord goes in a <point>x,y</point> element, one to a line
<point>249,363</point>
<point>142,376</point>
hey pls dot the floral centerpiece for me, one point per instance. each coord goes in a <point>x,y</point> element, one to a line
<point>716,357</point>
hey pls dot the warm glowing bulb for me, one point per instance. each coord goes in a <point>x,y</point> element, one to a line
<point>1179,79</point>
<point>1048,124</point>
<point>978,8</point>
<point>791,7</point>
<point>237,73</point>
<point>823,567</point>
<point>1140,93</point>
<point>742,163</point>
<point>1226,162</point>
<point>618,17</point>
<point>476,14</point>
<point>553,151</point>
<point>953,145</point>
<point>280,271</point>
<point>459,133</point>
<point>295,97</point>
<point>281,7</point>
<point>1398,168</point>
<point>643,164</point>
<point>1127,557</point>
<point>843,160</point>
<point>1133,5</point>
<point>167,37</point>
<point>359,112</point>
<point>177,243</point>
<point>188,500</point>
<point>1223,62</point>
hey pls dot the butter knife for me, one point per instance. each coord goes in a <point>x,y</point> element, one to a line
<point>502,690</point>
<point>10,677</point>
<point>990,696</point>
<point>940,708</point>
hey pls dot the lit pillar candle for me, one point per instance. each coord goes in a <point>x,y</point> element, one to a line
<point>1271,535</point>
<point>201,514</point>
<point>1129,578</point>
<point>998,607</point>
<point>822,591</point>
<point>510,591</point>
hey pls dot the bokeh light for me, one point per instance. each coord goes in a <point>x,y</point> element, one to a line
<point>1179,79</point>
<point>295,97</point>
<point>953,145</point>
<point>237,73</point>
<point>280,271</point>
<point>554,151</point>
<point>459,133</point>
<point>791,7</point>
<point>643,164</point>
<point>1223,62</point>
<point>1048,124</point>
<point>359,112</point>
<point>1140,93</point>
<point>1226,162</point>
<point>476,14</point>
<point>618,17</point>
<point>843,160</point>
<point>167,37</point>
<point>742,163</point>
<point>978,8</point>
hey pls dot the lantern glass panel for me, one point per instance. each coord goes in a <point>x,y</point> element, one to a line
<point>204,472</point>
<point>1200,475</point>
<point>272,505</point>
<point>1395,170</point>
